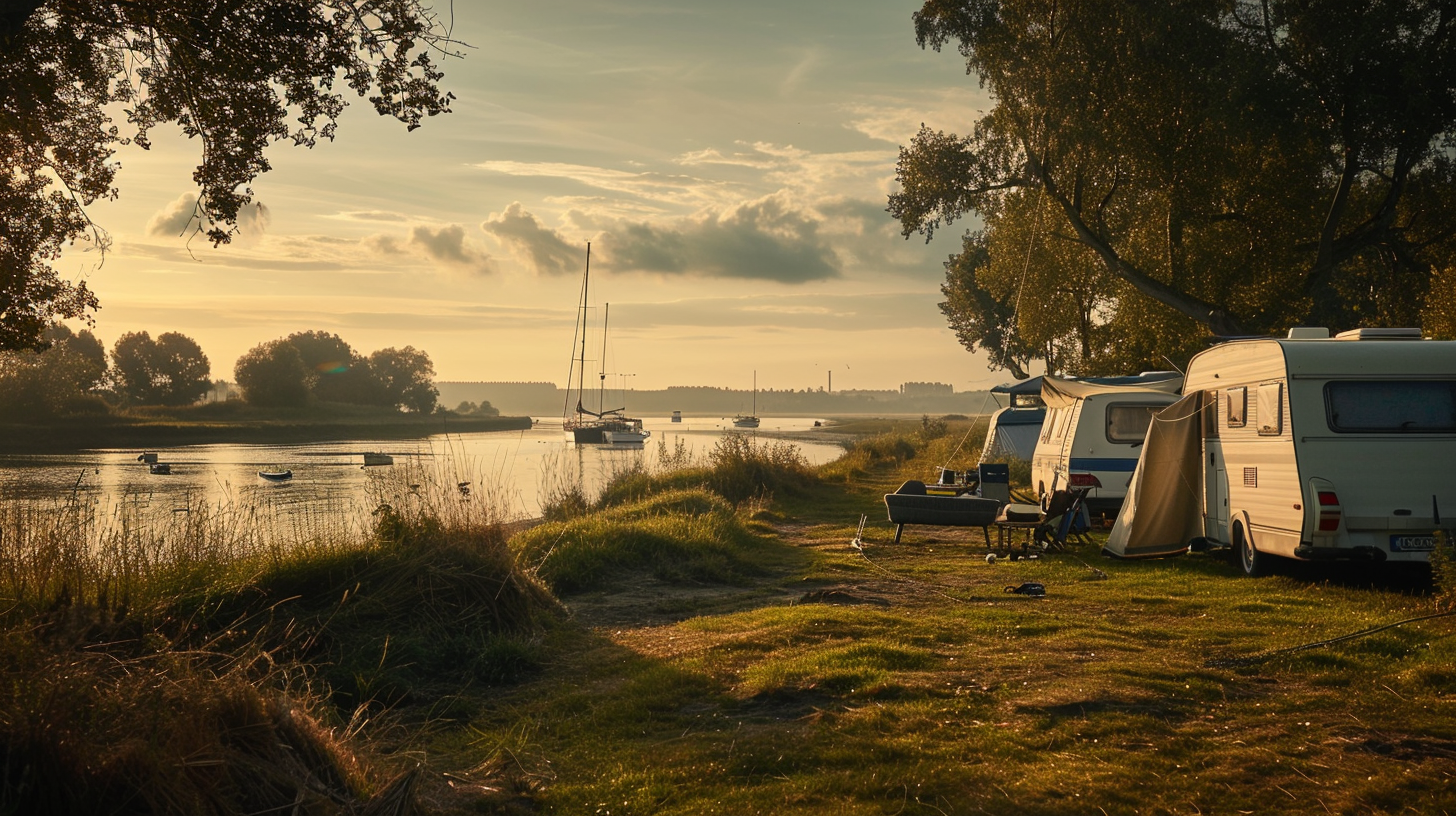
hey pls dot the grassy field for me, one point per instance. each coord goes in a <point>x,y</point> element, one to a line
<point>700,640</point>
<point>904,679</point>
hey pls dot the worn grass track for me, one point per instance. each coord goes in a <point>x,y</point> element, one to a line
<point>903,679</point>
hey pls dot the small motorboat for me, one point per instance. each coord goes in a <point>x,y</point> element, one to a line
<point>159,469</point>
<point>275,475</point>
<point>149,458</point>
<point>377,459</point>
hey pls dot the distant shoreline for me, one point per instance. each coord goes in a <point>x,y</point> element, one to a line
<point>75,435</point>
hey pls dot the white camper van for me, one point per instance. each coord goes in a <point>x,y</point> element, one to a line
<point>1328,448</point>
<point>1093,431</point>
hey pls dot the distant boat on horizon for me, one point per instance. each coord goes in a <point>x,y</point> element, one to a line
<point>750,421</point>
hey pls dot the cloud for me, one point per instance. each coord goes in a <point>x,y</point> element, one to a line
<point>446,245</point>
<point>539,247</point>
<point>371,215</point>
<point>665,188</point>
<point>766,239</point>
<point>896,121</point>
<point>179,217</point>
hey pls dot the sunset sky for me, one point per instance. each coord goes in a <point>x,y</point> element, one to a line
<point>729,162</point>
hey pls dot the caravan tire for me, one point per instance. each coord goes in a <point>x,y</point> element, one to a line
<point>1253,562</point>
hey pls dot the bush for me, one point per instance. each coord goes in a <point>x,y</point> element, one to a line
<point>678,536</point>
<point>740,470</point>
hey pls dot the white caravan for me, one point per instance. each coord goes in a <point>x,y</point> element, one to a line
<point>1093,431</point>
<point>1306,447</point>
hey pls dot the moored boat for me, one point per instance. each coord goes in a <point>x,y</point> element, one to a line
<point>276,475</point>
<point>626,432</point>
<point>750,421</point>
<point>377,459</point>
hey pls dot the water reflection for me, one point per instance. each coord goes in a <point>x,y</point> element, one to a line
<point>329,479</point>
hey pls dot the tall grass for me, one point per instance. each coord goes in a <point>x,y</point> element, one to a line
<point>210,658</point>
<point>739,468</point>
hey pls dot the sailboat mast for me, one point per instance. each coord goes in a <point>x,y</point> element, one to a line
<point>755,392</point>
<point>602,384</point>
<point>581,371</point>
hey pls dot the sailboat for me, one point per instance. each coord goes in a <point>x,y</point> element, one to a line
<point>750,421</point>
<point>603,426</point>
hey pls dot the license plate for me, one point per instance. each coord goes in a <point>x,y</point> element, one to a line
<point>1412,543</point>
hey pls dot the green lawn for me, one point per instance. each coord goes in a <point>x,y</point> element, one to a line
<point>903,679</point>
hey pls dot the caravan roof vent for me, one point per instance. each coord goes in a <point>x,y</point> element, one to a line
<point>1379,334</point>
<point>1309,333</point>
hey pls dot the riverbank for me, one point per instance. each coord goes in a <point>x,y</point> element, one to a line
<point>713,641</point>
<point>280,428</point>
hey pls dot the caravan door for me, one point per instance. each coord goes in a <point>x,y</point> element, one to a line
<point>1215,474</point>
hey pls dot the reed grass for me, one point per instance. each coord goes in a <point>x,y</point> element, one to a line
<point>228,658</point>
<point>739,468</point>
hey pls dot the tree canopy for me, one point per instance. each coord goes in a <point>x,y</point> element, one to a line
<point>1151,173</point>
<point>171,370</point>
<point>238,75</point>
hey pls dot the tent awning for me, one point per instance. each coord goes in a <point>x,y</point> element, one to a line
<point>1163,509</point>
<point>1060,393</point>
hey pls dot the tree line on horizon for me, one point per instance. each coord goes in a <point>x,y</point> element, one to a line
<point>75,376</point>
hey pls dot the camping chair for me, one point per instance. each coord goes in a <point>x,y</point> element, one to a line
<point>1065,518</point>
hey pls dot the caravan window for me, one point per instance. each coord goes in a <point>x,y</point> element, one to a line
<point>1049,426</point>
<point>1129,423</point>
<point>1391,406</point>
<point>1270,410</point>
<point>1238,400</point>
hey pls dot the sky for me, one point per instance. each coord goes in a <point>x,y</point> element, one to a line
<point>729,163</point>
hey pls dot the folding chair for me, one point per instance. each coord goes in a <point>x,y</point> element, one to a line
<point>1065,518</point>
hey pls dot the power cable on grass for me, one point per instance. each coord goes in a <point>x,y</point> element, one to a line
<point>1256,659</point>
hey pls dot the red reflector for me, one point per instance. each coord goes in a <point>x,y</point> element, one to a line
<point>1327,499</point>
<point>1084,480</point>
<point>1329,525</point>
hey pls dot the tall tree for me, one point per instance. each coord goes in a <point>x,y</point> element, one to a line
<point>336,373</point>
<point>238,75</point>
<point>180,370</point>
<point>171,370</point>
<point>59,381</point>
<point>272,375</point>
<point>1226,165</point>
<point>131,367</point>
<point>407,377</point>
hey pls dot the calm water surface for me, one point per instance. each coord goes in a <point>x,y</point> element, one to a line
<point>511,467</point>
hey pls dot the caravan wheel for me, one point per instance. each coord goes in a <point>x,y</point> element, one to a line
<point>1254,562</point>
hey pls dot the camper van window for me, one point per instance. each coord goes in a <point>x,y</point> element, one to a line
<point>1049,423</point>
<point>1270,411</point>
<point>1210,414</point>
<point>1391,406</point>
<point>1129,423</point>
<point>1238,400</point>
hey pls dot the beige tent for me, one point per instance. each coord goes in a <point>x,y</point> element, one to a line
<point>1163,510</point>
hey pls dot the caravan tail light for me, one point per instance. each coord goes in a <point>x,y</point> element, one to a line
<point>1329,511</point>
<point>1084,480</point>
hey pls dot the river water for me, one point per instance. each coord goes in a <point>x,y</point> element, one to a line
<point>510,468</point>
